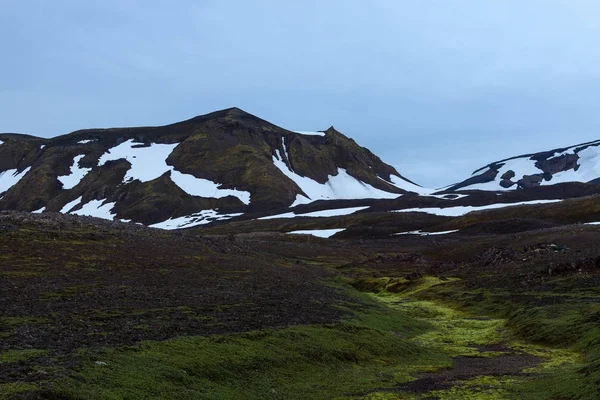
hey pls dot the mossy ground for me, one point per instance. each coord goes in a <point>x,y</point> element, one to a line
<point>318,362</point>
<point>390,340</point>
<point>160,315</point>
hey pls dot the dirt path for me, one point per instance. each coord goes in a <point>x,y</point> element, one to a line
<point>487,361</point>
<point>467,368</point>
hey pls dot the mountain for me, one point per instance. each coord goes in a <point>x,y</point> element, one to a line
<point>579,163</point>
<point>211,167</point>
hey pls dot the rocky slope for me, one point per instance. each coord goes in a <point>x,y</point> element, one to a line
<point>208,168</point>
<point>579,163</point>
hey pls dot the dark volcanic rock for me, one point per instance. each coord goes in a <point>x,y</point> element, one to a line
<point>529,181</point>
<point>508,175</point>
<point>506,183</point>
<point>555,165</point>
<point>230,147</point>
<point>487,176</point>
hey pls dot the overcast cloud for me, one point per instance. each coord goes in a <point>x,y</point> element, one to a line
<point>436,88</point>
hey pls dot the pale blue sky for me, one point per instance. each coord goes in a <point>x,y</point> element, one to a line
<point>436,88</point>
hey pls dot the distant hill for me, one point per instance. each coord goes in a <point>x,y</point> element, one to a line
<point>578,163</point>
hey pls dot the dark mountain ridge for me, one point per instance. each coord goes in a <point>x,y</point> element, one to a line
<point>230,148</point>
<point>577,163</point>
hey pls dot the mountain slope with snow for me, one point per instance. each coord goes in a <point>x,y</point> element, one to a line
<point>211,167</point>
<point>579,163</point>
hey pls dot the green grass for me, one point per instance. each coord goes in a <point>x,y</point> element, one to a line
<point>13,356</point>
<point>9,390</point>
<point>318,362</point>
<point>566,335</point>
<point>386,340</point>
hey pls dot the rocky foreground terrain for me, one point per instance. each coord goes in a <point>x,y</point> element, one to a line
<point>94,309</point>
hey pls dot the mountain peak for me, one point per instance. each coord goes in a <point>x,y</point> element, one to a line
<point>228,114</point>
<point>222,163</point>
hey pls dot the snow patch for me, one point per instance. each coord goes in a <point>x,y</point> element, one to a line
<point>339,187</point>
<point>205,188</point>
<point>421,233</point>
<point>1,142</point>
<point>310,133</point>
<point>77,174</point>
<point>201,218</point>
<point>41,210</point>
<point>589,169</point>
<point>462,210</point>
<point>149,163</point>
<point>70,205</point>
<point>96,208</point>
<point>322,233</point>
<point>324,213</point>
<point>405,185</point>
<point>11,177</point>
<point>85,141</point>
<point>448,196</point>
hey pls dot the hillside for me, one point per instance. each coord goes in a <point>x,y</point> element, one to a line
<point>297,265</point>
<point>579,163</point>
<point>211,167</point>
<point>230,166</point>
<point>95,309</point>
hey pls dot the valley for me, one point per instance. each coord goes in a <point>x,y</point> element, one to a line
<point>224,257</point>
<point>112,310</point>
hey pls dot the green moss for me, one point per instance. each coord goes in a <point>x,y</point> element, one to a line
<point>317,362</point>
<point>389,396</point>
<point>18,321</point>
<point>69,292</point>
<point>21,274</point>
<point>8,390</point>
<point>480,388</point>
<point>13,356</point>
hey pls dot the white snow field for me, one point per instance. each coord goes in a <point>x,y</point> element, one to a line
<point>77,174</point>
<point>41,210</point>
<point>310,133</point>
<point>10,178</point>
<point>201,218</point>
<point>463,210</point>
<point>336,212</point>
<point>409,187</point>
<point>148,163</point>
<point>589,169</point>
<point>444,196</point>
<point>421,233</point>
<point>70,205</point>
<point>338,187</point>
<point>1,142</point>
<point>96,208</point>
<point>589,161</point>
<point>322,233</point>
<point>85,141</point>
<point>93,208</point>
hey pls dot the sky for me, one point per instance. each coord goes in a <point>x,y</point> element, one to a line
<point>435,88</point>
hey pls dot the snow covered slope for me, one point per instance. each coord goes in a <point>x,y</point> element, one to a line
<point>579,163</point>
<point>211,167</point>
<point>11,177</point>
